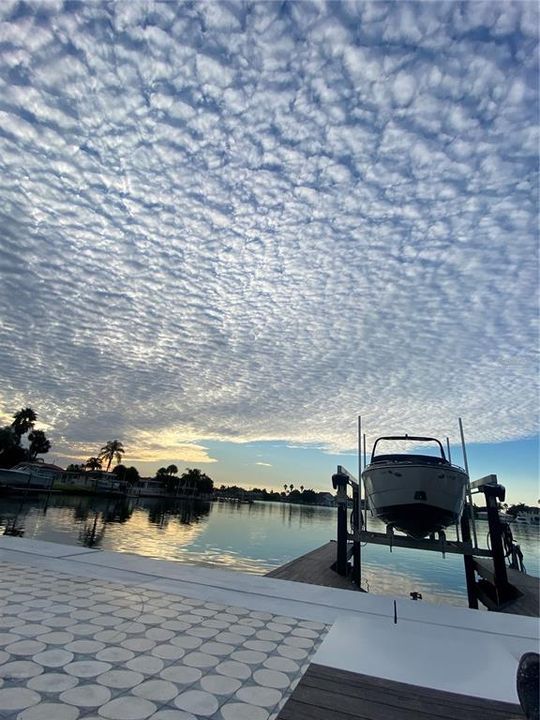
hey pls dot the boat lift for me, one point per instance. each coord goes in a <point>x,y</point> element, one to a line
<point>493,590</point>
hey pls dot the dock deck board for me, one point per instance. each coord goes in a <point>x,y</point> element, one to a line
<point>328,694</point>
<point>528,585</point>
<point>314,568</point>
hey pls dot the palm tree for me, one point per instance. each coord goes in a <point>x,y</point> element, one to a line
<point>39,445</point>
<point>113,450</point>
<point>301,488</point>
<point>73,467</point>
<point>23,421</point>
<point>172,470</point>
<point>291,487</point>
<point>285,486</point>
<point>196,481</point>
<point>93,463</point>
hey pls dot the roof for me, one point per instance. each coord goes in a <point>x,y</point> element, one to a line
<point>46,466</point>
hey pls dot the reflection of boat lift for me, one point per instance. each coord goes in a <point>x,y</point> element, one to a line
<point>494,589</point>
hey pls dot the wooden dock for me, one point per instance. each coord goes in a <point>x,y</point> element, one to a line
<point>528,587</point>
<point>315,568</point>
<point>328,694</point>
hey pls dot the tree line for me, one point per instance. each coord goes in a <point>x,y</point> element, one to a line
<point>113,450</point>
<point>192,481</point>
<point>21,442</point>
<point>290,494</point>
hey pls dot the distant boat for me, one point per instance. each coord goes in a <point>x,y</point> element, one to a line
<point>417,494</point>
<point>10,479</point>
<point>528,517</point>
<point>503,517</point>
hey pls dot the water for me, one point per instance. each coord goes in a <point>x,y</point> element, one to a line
<point>250,538</point>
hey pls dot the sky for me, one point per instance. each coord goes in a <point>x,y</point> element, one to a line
<point>227,229</point>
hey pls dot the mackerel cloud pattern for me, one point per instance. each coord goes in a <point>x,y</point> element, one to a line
<point>254,220</point>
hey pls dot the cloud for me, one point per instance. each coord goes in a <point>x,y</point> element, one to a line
<point>264,464</point>
<point>144,446</point>
<point>257,222</point>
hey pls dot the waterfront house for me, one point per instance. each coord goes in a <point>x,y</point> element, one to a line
<point>93,481</point>
<point>148,487</point>
<point>326,499</point>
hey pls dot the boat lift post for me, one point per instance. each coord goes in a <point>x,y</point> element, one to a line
<point>493,493</point>
<point>340,481</point>
<point>469,494</point>
<point>467,520</point>
<point>450,460</point>
<point>357,567</point>
<point>468,560</point>
<point>364,485</point>
<point>503,591</point>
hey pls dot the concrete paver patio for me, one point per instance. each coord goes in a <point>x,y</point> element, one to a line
<point>113,636</point>
<point>77,647</point>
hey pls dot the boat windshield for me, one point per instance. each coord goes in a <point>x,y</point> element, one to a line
<point>404,446</point>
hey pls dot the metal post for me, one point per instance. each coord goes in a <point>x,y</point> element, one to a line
<point>469,495</point>
<point>448,450</point>
<point>360,482</point>
<point>357,567</point>
<point>468,561</point>
<point>493,493</point>
<point>360,474</point>
<point>339,481</point>
<point>342,538</point>
<point>359,447</point>
<point>357,500</point>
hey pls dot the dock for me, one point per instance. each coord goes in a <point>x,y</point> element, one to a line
<point>315,568</point>
<point>527,586</point>
<point>404,668</point>
<point>328,694</point>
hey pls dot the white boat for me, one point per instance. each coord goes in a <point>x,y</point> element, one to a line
<point>528,517</point>
<point>503,517</point>
<point>417,494</point>
<point>13,479</point>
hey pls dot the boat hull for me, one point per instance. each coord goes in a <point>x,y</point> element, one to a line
<point>417,499</point>
<point>13,481</point>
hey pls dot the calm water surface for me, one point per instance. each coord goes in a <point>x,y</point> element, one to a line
<point>250,538</point>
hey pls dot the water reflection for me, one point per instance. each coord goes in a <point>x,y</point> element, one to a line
<point>90,535</point>
<point>185,512</point>
<point>252,538</point>
<point>160,514</point>
<point>12,524</point>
